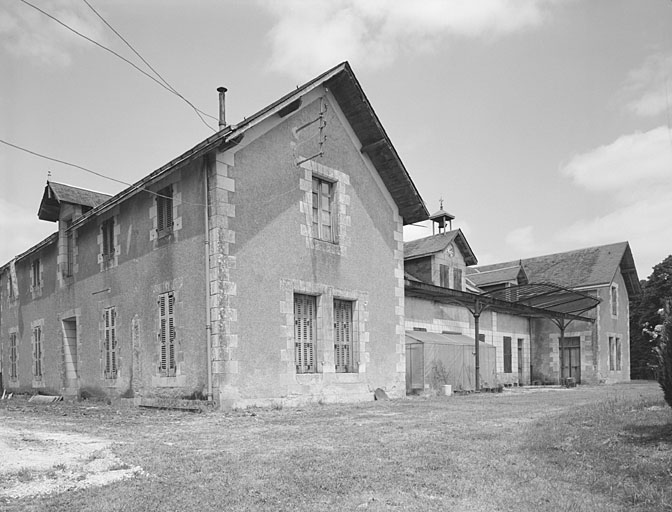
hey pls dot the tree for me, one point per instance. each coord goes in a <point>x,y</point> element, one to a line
<point>664,353</point>
<point>644,316</point>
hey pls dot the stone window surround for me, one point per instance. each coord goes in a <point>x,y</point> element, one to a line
<point>177,209</point>
<point>36,288</point>
<point>179,379</point>
<point>324,349</point>
<point>107,262</point>
<point>341,220</point>
<point>613,292</point>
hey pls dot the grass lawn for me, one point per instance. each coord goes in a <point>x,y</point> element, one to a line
<point>606,448</point>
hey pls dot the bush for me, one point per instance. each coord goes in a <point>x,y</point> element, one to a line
<point>664,352</point>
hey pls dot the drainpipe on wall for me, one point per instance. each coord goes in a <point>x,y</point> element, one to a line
<point>208,326</point>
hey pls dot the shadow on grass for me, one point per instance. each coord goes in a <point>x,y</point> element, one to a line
<point>645,435</point>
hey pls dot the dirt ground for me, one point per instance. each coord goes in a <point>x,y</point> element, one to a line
<point>35,460</point>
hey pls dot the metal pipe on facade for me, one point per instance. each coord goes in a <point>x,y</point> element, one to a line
<point>222,107</point>
<point>208,319</point>
<point>477,317</point>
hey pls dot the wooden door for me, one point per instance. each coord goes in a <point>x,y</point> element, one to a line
<point>571,355</point>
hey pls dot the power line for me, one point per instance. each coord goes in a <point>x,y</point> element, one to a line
<point>198,111</point>
<point>86,169</point>
<point>118,56</point>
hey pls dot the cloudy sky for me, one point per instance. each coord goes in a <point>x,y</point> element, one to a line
<point>544,125</point>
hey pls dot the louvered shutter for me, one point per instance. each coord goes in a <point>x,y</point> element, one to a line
<point>163,363</point>
<point>169,209</point>
<point>37,352</point>
<point>167,363</point>
<point>160,216</point>
<point>113,342</point>
<point>305,314</point>
<point>106,348</point>
<point>343,345</point>
<point>171,334</point>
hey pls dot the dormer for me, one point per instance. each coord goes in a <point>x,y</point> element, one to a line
<point>61,201</point>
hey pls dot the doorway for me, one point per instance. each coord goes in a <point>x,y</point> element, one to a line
<point>571,358</point>
<point>70,361</point>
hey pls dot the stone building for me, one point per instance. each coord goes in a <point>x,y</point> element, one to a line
<point>264,264</point>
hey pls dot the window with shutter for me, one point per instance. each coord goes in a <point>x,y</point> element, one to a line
<point>37,353</point>
<point>164,211</point>
<point>36,278</point>
<point>344,355</point>
<point>69,250</point>
<point>107,232</point>
<point>457,279</point>
<point>322,210</point>
<point>305,333</point>
<point>13,357</point>
<point>110,343</point>
<point>167,362</point>
<point>507,355</point>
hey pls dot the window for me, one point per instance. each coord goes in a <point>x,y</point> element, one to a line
<point>164,211</point>
<point>507,354</point>
<point>69,250</point>
<point>107,229</point>
<point>37,353</point>
<point>305,330</point>
<point>612,353</point>
<point>10,285</point>
<point>444,275</point>
<point>36,277</point>
<point>457,278</point>
<point>618,354</point>
<point>13,357</point>
<point>110,343</point>
<point>344,346</point>
<point>322,206</point>
<point>167,363</point>
<point>614,300</point>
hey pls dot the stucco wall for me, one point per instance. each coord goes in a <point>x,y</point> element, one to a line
<point>272,255</point>
<point>143,267</point>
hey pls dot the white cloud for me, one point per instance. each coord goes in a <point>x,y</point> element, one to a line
<point>630,166</point>
<point>647,90</point>
<point>311,35</point>
<point>634,174</point>
<point>27,33</point>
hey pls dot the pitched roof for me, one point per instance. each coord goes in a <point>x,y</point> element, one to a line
<point>437,243</point>
<point>495,276</point>
<point>57,193</point>
<point>581,268</point>
<point>343,84</point>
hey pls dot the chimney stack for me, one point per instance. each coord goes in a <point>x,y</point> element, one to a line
<point>222,107</point>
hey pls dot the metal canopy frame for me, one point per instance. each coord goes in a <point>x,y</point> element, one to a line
<point>535,300</point>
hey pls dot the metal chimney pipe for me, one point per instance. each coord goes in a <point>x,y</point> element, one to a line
<point>222,107</point>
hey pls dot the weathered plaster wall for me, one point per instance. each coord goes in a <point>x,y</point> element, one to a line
<point>143,267</point>
<point>272,255</point>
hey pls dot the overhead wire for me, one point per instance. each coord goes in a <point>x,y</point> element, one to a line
<point>90,171</point>
<point>198,111</point>
<point>93,41</point>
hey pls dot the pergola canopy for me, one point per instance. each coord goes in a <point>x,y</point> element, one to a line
<point>550,297</point>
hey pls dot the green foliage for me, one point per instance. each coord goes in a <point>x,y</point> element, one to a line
<point>664,353</point>
<point>644,316</point>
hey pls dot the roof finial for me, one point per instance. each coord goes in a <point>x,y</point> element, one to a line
<point>48,175</point>
<point>441,203</point>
